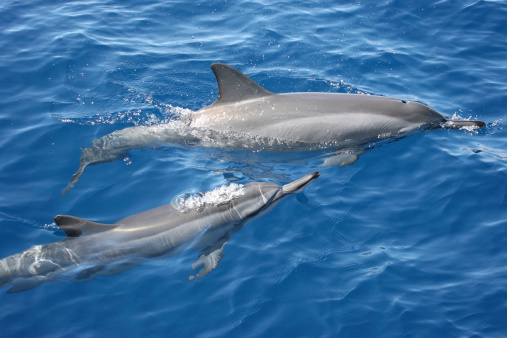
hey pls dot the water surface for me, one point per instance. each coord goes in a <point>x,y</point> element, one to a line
<point>409,241</point>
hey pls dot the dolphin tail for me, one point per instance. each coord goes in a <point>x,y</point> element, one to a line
<point>457,124</point>
<point>75,177</point>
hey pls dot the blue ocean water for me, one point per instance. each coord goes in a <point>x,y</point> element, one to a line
<point>411,240</point>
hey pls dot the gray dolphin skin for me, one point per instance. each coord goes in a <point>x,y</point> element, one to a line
<point>204,221</point>
<point>247,116</point>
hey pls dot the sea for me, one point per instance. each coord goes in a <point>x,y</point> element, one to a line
<point>409,241</point>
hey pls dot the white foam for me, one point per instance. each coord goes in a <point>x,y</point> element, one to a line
<point>218,196</point>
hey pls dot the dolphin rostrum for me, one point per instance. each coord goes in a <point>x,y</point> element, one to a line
<point>204,221</point>
<point>247,116</point>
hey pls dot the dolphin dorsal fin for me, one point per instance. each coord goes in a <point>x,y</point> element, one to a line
<point>235,86</point>
<point>75,226</point>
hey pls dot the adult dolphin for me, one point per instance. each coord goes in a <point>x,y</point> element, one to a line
<point>204,221</point>
<point>248,116</point>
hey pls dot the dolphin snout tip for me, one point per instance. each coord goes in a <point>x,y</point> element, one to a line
<point>300,183</point>
<point>458,124</point>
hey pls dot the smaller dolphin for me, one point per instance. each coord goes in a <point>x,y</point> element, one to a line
<point>204,221</point>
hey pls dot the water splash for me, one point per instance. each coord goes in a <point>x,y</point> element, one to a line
<point>470,128</point>
<point>218,196</point>
<point>151,113</point>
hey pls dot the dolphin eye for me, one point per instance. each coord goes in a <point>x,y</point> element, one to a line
<point>403,101</point>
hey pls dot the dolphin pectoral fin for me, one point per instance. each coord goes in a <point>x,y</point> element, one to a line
<point>75,177</point>
<point>209,258</point>
<point>75,226</point>
<point>89,273</point>
<point>343,158</point>
<point>25,284</point>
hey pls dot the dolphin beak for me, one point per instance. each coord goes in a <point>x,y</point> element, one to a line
<point>300,183</point>
<point>296,185</point>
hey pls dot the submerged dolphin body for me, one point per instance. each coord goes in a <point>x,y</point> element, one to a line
<point>247,116</point>
<point>90,249</point>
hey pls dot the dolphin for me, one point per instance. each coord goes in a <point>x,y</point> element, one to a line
<point>205,220</point>
<point>246,116</point>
